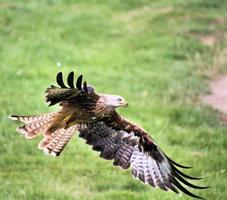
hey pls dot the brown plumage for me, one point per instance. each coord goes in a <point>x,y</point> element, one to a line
<point>94,116</point>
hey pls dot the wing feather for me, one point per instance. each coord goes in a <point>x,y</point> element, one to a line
<point>59,79</point>
<point>70,80</point>
<point>130,147</point>
<point>67,95</point>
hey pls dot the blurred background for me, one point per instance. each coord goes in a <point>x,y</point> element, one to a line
<point>160,55</point>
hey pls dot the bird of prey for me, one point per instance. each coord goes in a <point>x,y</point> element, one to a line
<point>95,117</point>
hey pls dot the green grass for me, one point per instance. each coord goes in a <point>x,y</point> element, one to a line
<point>150,52</point>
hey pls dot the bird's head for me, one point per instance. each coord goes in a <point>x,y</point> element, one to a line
<point>114,101</point>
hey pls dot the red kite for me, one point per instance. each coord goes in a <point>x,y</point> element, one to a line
<point>95,117</point>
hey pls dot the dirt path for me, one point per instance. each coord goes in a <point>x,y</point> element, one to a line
<point>217,99</point>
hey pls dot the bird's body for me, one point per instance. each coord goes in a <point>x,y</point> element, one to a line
<point>95,117</point>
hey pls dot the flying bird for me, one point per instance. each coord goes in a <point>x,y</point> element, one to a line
<point>95,117</point>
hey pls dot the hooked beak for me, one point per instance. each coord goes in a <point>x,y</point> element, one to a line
<point>124,103</point>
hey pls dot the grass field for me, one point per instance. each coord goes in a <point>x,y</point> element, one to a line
<point>159,55</point>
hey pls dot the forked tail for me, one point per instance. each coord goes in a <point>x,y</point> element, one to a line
<point>53,142</point>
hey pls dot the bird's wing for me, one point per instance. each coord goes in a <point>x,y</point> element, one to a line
<point>67,95</point>
<point>129,146</point>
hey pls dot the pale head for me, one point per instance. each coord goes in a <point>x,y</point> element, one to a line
<point>114,101</point>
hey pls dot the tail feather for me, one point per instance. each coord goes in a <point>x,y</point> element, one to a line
<point>34,125</point>
<point>55,143</point>
<point>31,119</point>
<point>34,129</point>
<point>55,137</point>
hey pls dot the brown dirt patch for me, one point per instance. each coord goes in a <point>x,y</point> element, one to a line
<point>7,5</point>
<point>135,21</point>
<point>218,97</point>
<point>139,12</point>
<point>133,15</point>
<point>218,34</point>
<point>210,39</point>
<point>76,7</point>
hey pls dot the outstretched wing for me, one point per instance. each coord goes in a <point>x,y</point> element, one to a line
<point>64,94</point>
<point>129,146</point>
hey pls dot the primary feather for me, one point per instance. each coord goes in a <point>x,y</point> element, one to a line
<point>94,116</point>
